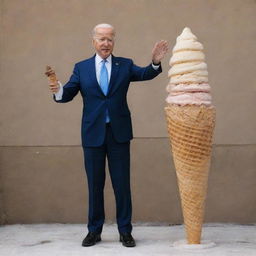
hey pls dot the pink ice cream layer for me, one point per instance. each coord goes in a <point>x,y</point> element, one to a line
<point>204,87</point>
<point>183,94</point>
<point>191,98</point>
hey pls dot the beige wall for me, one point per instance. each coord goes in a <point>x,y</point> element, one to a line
<point>42,177</point>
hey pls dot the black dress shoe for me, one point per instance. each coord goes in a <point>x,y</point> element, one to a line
<point>91,239</point>
<point>127,240</point>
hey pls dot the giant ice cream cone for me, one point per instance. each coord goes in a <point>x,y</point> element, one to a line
<point>190,122</point>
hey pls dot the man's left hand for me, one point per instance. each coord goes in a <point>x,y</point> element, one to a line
<point>159,51</point>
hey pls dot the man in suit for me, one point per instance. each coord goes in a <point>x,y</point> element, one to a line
<point>103,81</point>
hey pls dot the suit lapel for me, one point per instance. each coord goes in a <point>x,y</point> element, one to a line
<point>114,72</point>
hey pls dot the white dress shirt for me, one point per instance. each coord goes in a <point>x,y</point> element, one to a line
<point>98,64</point>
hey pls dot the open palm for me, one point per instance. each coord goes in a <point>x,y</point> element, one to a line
<point>159,51</point>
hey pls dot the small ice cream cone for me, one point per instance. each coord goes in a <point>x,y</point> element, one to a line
<point>50,73</point>
<point>190,121</point>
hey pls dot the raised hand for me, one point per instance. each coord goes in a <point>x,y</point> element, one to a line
<point>159,51</point>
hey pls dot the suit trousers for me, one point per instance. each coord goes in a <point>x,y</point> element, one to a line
<point>118,156</point>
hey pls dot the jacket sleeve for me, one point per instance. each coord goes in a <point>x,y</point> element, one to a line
<point>144,73</point>
<point>71,88</point>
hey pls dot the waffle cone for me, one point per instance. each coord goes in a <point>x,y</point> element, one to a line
<point>190,130</point>
<point>50,73</point>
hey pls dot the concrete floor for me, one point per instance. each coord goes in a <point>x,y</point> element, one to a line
<point>65,239</point>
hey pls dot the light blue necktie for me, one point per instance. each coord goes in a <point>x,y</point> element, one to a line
<point>104,83</point>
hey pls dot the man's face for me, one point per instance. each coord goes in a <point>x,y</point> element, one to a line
<point>103,42</point>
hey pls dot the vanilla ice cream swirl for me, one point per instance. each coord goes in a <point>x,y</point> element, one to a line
<point>188,73</point>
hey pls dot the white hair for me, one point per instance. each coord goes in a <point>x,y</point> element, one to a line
<point>102,25</point>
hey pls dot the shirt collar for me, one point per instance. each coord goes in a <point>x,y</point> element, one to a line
<point>98,59</point>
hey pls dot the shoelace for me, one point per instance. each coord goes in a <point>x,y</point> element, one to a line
<point>127,237</point>
<point>91,235</point>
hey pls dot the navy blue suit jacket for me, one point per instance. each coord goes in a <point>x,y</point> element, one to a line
<point>95,102</point>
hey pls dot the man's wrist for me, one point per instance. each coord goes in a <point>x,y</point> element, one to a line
<point>156,63</point>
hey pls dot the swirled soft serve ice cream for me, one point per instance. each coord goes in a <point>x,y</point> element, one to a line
<point>188,74</point>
